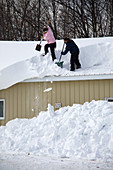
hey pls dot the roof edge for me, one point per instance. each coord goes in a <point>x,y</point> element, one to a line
<point>70,78</point>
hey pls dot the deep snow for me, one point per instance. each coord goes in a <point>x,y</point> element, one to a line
<point>83,131</point>
<point>21,58</point>
<point>77,137</point>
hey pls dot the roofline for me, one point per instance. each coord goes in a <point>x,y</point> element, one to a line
<point>70,78</point>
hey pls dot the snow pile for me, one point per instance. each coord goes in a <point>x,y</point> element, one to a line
<point>20,60</point>
<point>12,52</point>
<point>99,54</point>
<point>83,131</point>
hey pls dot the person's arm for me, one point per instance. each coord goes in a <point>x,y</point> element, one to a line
<point>43,36</point>
<point>47,26</point>
<point>48,23</point>
<point>65,51</point>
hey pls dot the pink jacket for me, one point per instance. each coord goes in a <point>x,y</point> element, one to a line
<point>49,37</point>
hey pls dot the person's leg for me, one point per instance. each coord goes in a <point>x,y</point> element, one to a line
<point>72,62</point>
<point>78,65</point>
<point>46,48</point>
<point>52,48</point>
<point>76,60</point>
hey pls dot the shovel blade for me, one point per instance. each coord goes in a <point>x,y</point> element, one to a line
<point>60,64</point>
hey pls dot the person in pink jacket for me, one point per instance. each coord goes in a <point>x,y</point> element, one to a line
<point>51,42</point>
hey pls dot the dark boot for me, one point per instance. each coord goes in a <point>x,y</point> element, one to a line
<point>78,67</point>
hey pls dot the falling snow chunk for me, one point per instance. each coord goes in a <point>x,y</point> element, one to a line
<point>47,90</point>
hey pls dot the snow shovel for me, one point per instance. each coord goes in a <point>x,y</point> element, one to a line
<point>38,46</point>
<point>60,63</point>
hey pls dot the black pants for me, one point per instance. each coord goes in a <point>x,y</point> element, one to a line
<point>74,61</point>
<point>52,49</point>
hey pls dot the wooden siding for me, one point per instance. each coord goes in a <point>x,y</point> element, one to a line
<point>26,100</point>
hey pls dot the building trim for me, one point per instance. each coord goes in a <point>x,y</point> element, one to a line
<point>71,78</point>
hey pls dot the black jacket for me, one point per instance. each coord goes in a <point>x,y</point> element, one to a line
<point>72,47</point>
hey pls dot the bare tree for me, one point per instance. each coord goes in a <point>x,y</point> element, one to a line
<point>25,19</point>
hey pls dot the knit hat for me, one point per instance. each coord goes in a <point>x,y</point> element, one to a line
<point>66,39</point>
<point>45,29</point>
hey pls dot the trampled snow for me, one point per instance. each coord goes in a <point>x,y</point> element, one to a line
<point>80,131</point>
<point>20,60</point>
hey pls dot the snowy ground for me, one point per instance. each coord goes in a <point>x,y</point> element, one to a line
<point>36,162</point>
<point>77,137</point>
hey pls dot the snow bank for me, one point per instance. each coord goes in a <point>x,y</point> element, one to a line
<point>20,60</point>
<point>96,54</point>
<point>83,131</point>
<point>15,51</point>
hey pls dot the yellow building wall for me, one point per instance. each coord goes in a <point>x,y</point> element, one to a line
<point>26,100</point>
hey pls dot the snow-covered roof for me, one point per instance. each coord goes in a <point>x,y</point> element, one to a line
<point>21,62</point>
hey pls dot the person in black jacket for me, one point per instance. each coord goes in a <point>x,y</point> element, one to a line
<point>74,50</point>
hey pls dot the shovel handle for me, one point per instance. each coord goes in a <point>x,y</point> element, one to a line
<point>61,51</point>
<point>40,41</point>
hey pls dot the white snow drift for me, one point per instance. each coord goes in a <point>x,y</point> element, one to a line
<point>83,131</point>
